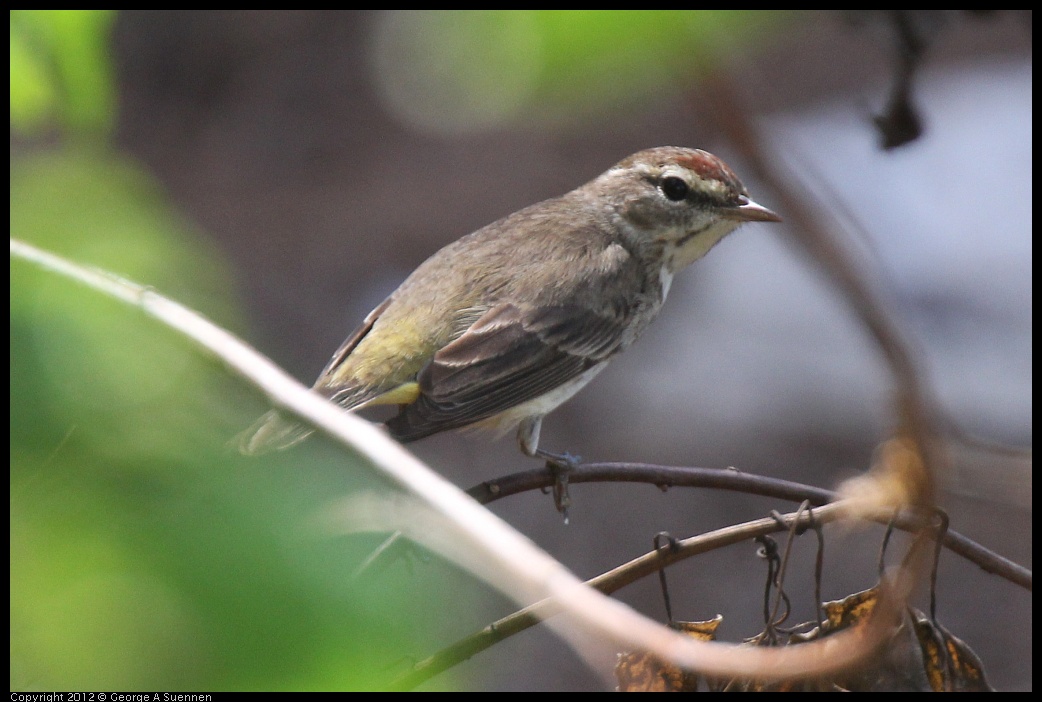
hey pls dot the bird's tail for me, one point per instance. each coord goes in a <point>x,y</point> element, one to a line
<point>272,432</point>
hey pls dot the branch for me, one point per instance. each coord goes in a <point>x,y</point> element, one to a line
<point>746,483</point>
<point>615,580</point>
<point>815,229</point>
<point>664,477</point>
<point>510,561</point>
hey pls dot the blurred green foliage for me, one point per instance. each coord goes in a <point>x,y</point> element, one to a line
<point>145,554</point>
<point>593,56</point>
<point>464,70</point>
<point>60,72</point>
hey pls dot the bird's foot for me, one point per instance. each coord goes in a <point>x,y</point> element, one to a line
<point>560,465</point>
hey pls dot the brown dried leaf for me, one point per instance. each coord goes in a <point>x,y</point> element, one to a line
<point>851,610</point>
<point>951,665</point>
<point>642,672</point>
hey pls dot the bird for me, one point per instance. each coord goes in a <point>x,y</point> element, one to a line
<point>502,326</point>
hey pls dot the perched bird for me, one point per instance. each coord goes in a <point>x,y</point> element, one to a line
<point>502,326</point>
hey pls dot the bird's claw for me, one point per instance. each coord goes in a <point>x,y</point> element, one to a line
<point>560,465</point>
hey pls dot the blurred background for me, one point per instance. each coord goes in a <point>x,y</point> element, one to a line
<point>282,172</point>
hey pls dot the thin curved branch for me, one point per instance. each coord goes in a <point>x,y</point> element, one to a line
<point>746,483</point>
<point>664,477</point>
<point>523,571</point>
<point>614,580</point>
<point>815,227</point>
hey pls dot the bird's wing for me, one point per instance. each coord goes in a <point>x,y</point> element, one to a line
<point>507,357</point>
<point>352,341</point>
<point>275,431</point>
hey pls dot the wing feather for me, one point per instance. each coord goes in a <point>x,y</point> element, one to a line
<point>509,356</point>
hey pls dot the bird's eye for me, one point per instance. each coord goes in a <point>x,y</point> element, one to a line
<point>674,188</point>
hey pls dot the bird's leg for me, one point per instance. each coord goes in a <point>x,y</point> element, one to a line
<point>559,464</point>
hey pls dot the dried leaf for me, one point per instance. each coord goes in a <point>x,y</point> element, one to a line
<point>642,672</point>
<point>951,665</point>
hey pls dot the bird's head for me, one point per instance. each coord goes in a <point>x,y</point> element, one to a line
<point>675,202</point>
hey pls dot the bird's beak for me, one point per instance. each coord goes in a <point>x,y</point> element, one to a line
<point>749,211</point>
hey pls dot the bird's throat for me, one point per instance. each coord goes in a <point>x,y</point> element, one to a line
<point>692,246</point>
